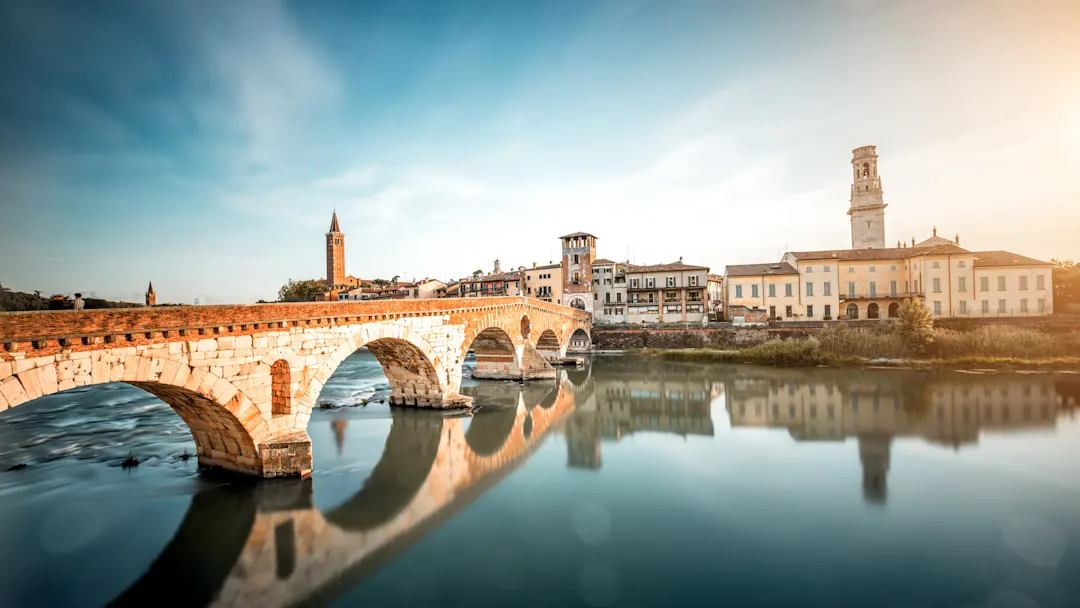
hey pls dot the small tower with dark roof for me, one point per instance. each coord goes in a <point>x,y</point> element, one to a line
<point>335,254</point>
<point>151,297</point>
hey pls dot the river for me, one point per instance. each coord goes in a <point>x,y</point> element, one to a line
<point>626,482</point>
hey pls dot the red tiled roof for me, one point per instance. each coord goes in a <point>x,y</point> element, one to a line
<point>664,267</point>
<point>577,235</point>
<point>889,253</point>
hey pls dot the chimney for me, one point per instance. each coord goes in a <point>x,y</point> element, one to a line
<point>680,259</point>
<point>912,241</point>
<point>957,238</point>
<point>534,264</point>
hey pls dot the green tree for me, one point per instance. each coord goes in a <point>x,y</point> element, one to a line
<point>915,325</point>
<point>301,291</point>
<point>394,279</point>
<point>1066,279</point>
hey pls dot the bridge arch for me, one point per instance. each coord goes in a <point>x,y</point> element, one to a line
<point>579,340</point>
<point>226,425</point>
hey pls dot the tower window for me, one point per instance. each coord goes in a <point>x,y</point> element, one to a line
<point>337,241</point>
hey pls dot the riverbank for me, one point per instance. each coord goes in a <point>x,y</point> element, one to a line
<point>760,356</point>
<point>985,348</point>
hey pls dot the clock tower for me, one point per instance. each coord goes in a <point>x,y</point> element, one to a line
<point>867,209</point>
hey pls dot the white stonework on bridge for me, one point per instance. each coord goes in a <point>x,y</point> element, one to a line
<point>246,385</point>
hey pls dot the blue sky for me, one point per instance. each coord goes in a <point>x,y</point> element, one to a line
<point>204,145</point>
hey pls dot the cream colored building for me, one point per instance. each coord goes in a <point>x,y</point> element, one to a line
<point>609,291</point>
<point>665,293</point>
<point>544,282</point>
<point>871,281</point>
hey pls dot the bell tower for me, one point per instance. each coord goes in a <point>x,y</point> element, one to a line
<point>578,253</point>
<point>335,254</point>
<point>867,209</point>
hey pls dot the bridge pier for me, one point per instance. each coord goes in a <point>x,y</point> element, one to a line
<point>286,456</point>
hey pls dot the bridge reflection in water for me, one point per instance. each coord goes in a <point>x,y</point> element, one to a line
<point>266,544</point>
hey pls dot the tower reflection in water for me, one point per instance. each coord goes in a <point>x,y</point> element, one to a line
<point>950,410</point>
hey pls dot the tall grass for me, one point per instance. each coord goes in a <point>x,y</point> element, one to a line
<point>996,345</point>
<point>1003,341</point>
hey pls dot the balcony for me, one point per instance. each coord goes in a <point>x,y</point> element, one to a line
<point>881,295</point>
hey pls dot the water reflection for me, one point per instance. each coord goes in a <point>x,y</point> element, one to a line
<point>266,543</point>
<point>875,407</point>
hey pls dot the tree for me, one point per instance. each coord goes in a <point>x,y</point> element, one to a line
<point>915,325</point>
<point>301,291</point>
<point>1066,279</point>
<point>393,279</point>
<point>379,282</point>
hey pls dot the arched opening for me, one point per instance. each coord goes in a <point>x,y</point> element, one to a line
<point>866,169</point>
<point>413,379</point>
<point>852,311</point>
<point>490,427</point>
<point>496,358</point>
<point>894,310</point>
<point>281,389</point>
<point>577,303</point>
<point>873,311</point>
<point>548,345</point>
<point>579,341</point>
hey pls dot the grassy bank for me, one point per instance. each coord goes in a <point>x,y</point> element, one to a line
<point>997,347</point>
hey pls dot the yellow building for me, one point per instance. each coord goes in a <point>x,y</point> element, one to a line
<point>544,282</point>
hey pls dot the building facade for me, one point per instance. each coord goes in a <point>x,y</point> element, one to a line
<point>870,281</point>
<point>544,282</point>
<point>609,291</point>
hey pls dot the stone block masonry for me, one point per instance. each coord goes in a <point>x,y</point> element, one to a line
<point>245,378</point>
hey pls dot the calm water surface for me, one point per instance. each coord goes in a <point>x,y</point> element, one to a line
<point>628,482</point>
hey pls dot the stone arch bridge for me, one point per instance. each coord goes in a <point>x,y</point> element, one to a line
<point>245,378</point>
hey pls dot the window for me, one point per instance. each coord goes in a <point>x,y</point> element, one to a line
<point>1040,282</point>
<point>1023,283</point>
<point>984,283</point>
<point>595,296</point>
<point>915,266</point>
<point>916,285</point>
<point>892,288</point>
<point>851,289</point>
<point>772,312</point>
<point>892,268</point>
<point>693,279</point>
<point>962,284</point>
<point>753,291</point>
<point>575,258</point>
<point>650,282</point>
<point>809,289</point>
<point>827,268</point>
<point>937,264</point>
<point>873,288</point>
<point>607,298</point>
<point>772,290</point>
<point>787,311</point>
<point>963,307</point>
<point>810,311</point>
<point>1023,305</point>
<point>873,269</point>
<point>937,308</point>
<point>1042,305</point>
<point>738,291</point>
<point>828,288</point>
<point>937,285</point>
<point>850,269</point>
<point>828,310</point>
<point>618,298</point>
<point>1001,306</point>
<point>1001,283</point>
<point>787,290</point>
<point>671,281</point>
<point>986,307</point>
<point>809,269</point>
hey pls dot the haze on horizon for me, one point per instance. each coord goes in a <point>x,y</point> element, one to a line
<point>204,145</point>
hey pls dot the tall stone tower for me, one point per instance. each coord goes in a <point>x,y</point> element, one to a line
<point>867,205</point>
<point>335,254</point>
<point>151,297</point>
<point>578,253</point>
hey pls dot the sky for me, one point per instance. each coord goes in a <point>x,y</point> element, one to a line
<point>204,145</point>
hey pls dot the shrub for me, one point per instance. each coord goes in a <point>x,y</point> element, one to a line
<point>915,326</point>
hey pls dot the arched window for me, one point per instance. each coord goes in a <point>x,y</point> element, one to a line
<point>281,387</point>
<point>873,311</point>
<point>894,310</point>
<point>866,169</point>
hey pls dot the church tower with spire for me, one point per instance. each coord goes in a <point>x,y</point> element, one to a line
<point>335,254</point>
<point>151,297</point>
<point>867,209</point>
